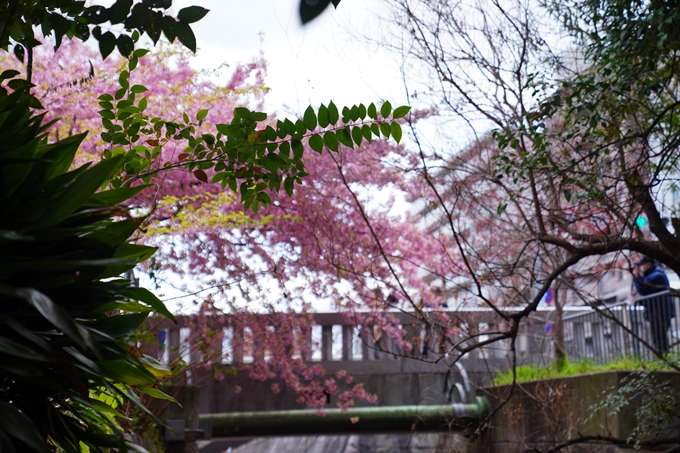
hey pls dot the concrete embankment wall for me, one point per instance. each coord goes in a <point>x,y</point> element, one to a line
<point>542,414</point>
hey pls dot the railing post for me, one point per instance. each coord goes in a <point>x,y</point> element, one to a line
<point>237,345</point>
<point>306,349</point>
<point>627,348</point>
<point>599,348</point>
<point>638,332</point>
<point>579,340</point>
<point>616,331</point>
<point>173,344</point>
<point>387,347</point>
<point>368,345</point>
<point>326,343</point>
<point>410,337</point>
<point>216,352</point>
<point>347,339</point>
<point>434,342</point>
<point>258,348</point>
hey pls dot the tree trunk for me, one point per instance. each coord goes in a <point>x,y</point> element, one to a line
<point>558,329</point>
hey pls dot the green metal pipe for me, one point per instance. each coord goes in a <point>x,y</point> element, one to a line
<point>444,417</point>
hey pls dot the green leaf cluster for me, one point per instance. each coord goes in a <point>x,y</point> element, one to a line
<point>75,19</point>
<point>65,311</point>
<point>248,155</point>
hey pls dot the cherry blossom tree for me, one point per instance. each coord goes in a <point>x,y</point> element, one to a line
<point>330,240</point>
<point>564,147</point>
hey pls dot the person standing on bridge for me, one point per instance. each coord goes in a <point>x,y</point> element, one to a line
<point>649,278</point>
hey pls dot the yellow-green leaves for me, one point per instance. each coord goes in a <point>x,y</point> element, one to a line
<point>156,394</point>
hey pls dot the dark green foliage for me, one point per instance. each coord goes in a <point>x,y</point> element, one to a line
<point>73,19</point>
<point>65,313</point>
<point>631,47</point>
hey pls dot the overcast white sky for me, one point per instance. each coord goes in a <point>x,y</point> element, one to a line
<point>324,60</point>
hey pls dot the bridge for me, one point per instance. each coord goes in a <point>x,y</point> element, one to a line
<point>423,375</point>
<point>403,378</point>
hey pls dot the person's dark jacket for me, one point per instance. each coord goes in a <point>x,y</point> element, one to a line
<point>654,281</point>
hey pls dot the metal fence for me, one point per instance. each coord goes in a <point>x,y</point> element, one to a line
<point>623,330</point>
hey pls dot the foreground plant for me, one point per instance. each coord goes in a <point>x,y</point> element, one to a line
<point>200,147</point>
<point>66,312</point>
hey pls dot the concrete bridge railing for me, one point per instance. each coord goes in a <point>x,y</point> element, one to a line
<point>338,344</point>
